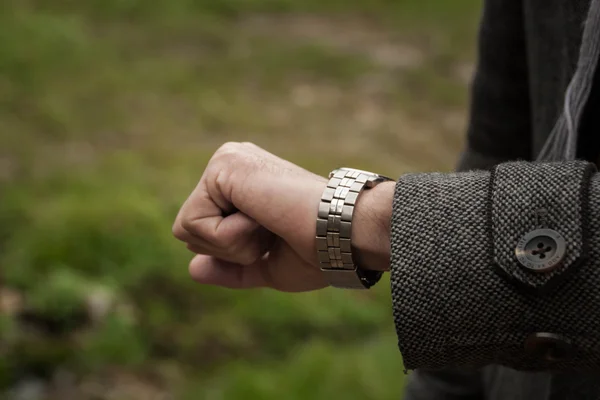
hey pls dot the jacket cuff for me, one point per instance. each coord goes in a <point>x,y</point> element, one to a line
<point>462,293</point>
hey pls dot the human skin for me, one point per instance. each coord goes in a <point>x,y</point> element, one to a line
<point>251,221</point>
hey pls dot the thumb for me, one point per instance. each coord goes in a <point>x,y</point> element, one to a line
<point>281,269</point>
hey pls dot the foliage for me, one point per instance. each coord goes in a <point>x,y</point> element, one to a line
<point>109,109</point>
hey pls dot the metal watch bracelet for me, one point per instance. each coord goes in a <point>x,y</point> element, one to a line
<point>334,228</point>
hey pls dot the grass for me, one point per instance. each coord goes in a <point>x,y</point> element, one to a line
<point>109,111</point>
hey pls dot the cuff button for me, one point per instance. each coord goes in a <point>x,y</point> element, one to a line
<point>541,250</point>
<point>548,346</point>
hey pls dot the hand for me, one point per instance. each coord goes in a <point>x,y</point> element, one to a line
<point>251,220</point>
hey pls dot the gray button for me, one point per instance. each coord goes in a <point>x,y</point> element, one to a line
<point>548,346</point>
<point>541,250</point>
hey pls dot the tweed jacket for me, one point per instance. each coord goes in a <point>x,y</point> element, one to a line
<point>475,319</point>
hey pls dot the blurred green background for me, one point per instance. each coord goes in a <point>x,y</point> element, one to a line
<point>110,109</point>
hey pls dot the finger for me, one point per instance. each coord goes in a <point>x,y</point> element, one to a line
<point>199,206</point>
<point>280,269</point>
<point>197,249</point>
<point>236,238</point>
<point>198,242</point>
<point>212,271</point>
<point>195,240</point>
<point>264,238</point>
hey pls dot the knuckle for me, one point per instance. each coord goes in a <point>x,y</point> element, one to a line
<point>187,226</point>
<point>231,155</point>
<point>237,152</point>
<point>197,229</point>
<point>179,231</point>
<point>213,239</point>
<point>190,227</point>
<point>234,160</point>
<point>228,149</point>
<point>226,243</point>
<point>250,145</point>
<point>245,251</point>
<point>249,256</point>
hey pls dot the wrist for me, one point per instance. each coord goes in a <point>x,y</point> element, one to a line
<point>371,227</point>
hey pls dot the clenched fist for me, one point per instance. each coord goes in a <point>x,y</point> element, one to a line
<point>251,221</point>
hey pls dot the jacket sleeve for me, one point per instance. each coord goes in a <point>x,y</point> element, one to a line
<point>498,267</point>
<point>499,130</point>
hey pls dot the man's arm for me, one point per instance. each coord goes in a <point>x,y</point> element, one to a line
<point>269,241</point>
<point>487,266</point>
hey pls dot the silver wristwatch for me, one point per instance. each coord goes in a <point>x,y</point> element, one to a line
<point>334,228</point>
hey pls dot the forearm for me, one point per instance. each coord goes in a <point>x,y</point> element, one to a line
<point>371,232</point>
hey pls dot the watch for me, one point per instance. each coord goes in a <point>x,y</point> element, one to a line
<point>334,228</point>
